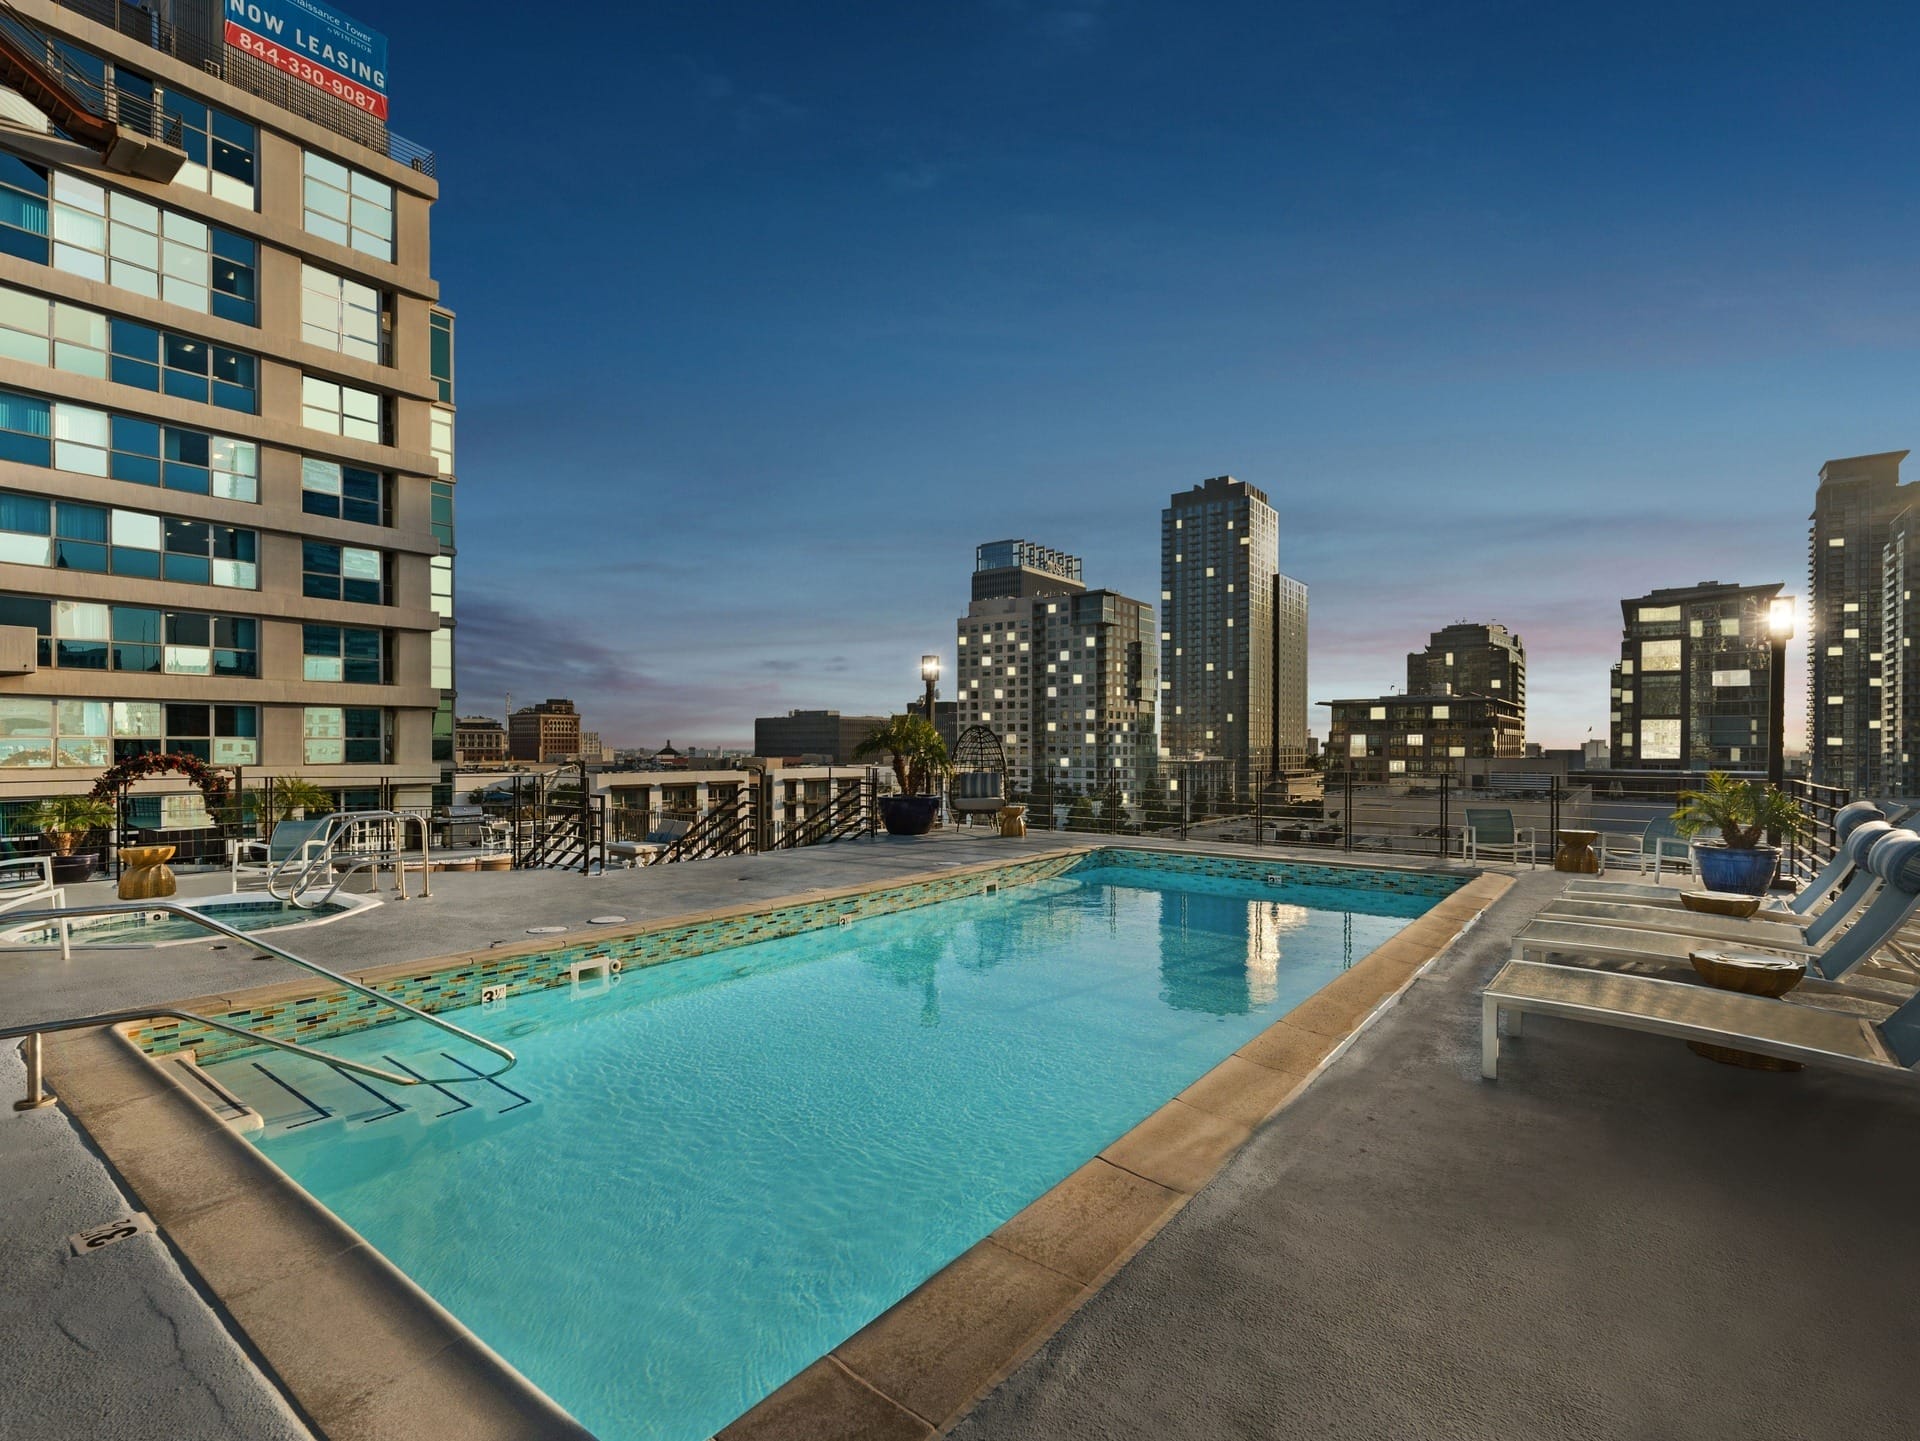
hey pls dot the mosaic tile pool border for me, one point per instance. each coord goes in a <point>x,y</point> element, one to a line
<point>1296,873</point>
<point>296,1013</point>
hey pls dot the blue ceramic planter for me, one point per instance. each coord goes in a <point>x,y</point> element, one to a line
<point>1745,873</point>
<point>908,815</point>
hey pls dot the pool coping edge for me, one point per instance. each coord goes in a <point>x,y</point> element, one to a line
<point>1178,1149</point>
<point>141,1116</point>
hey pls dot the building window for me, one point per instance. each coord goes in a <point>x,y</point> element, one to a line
<point>132,244</point>
<point>440,589</point>
<point>1658,614</point>
<point>218,734</point>
<point>342,572</point>
<point>104,541</point>
<point>347,207</point>
<point>341,314</point>
<point>442,518</point>
<point>340,409</point>
<point>440,440</point>
<point>23,209</point>
<point>351,735</point>
<point>184,367</point>
<point>440,355</point>
<point>175,458</point>
<point>1659,740</point>
<point>343,492</point>
<point>1733,678</point>
<point>220,149</point>
<point>337,653</point>
<point>1658,656</point>
<point>440,658</point>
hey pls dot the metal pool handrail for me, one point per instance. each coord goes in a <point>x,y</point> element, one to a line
<point>341,824</point>
<point>61,914</point>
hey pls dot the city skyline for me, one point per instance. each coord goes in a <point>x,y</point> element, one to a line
<point>1503,339</point>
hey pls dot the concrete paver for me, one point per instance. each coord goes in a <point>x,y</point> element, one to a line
<point>1618,1239</point>
<point>117,1343</point>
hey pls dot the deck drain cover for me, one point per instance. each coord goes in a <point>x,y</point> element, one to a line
<point>545,930</point>
<point>605,920</point>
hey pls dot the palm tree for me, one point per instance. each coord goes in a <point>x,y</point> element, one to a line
<point>915,748</point>
<point>297,793</point>
<point>63,820</point>
<point>1742,811</point>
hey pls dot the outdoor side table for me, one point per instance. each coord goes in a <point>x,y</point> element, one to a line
<point>1576,853</point>
<point>145,874</point>
<point>1754,976</point>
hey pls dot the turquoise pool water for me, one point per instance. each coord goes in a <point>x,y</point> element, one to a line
<point>704,1175</point>
<point>156,928</point>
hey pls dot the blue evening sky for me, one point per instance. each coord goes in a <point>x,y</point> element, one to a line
<point>770,312</point>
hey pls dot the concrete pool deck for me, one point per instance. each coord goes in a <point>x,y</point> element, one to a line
<point>1345,1280</point>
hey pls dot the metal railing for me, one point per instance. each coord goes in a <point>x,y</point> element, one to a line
<point>1807,854</point>
<point>728,828</point>
<point>357,828</point>
<point>849,811</point>
<point>62,915</point>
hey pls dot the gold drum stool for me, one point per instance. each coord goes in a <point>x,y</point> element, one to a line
<point>145,874</point>
<point>1576,853</point>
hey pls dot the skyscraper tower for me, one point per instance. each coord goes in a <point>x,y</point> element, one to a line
<point>1853,513</point>
<point>1233,632</point>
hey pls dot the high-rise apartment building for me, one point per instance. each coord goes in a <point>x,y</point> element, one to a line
<point>1064,675</point>
<point>226,498</point>
<point>1233,632</point>
<point>1471,659</point>
<point>1900,668</point>
<point>1692,688</point>
<point>1854,509</point>
<point>549,731</point>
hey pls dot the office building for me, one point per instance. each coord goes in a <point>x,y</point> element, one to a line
<point>1900,667</point>
<point>1471,659</point>
<point>479,741</point>
<point>1233,632</point>
<point>226,384</point>
<point>1854,508</point>
<point>1378,740</point>
<point>1691,690</point>
<point>825,734</point>
<point>549,731</point>
<point>1063,674</point>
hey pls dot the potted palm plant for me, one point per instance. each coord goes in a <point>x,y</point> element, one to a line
<point>920,765</point>
<point>1745,813</point>
<point>63,822</point>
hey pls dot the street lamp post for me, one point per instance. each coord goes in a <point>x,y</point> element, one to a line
<point>930,673</point>
<point>1779,632</point>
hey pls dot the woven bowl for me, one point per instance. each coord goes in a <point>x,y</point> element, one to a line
<point>1719,903</point>
<point>1755,975</point>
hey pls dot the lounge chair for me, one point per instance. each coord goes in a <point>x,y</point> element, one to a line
<point>294,844</point>
<point>1847,820</point>
<point>1655,848</point>
<point>1494,832</point>
<point>1894,859</point>
<point>1670,914</point>
<point>1778,1028</point>
<point>27,881</point>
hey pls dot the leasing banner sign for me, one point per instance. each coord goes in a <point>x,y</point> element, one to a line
<point>314,43</point>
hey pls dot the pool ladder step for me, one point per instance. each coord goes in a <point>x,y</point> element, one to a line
<point>286,1093</point>
<point>218,1099</point>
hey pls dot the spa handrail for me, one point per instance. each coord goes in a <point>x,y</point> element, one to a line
<point>201,918</point>
<point>337,825</point>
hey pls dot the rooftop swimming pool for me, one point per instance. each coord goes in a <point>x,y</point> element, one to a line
<point>704,1174</point>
